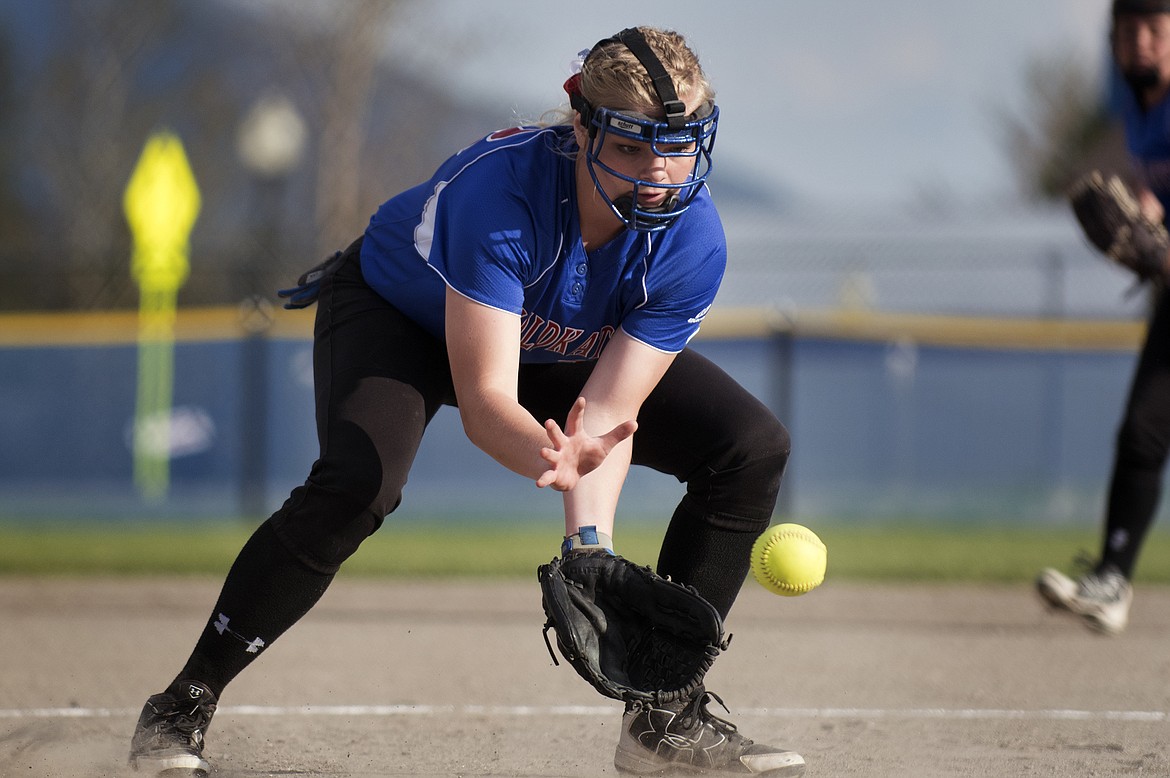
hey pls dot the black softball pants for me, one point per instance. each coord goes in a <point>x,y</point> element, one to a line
<point>380,379</point>
<point>1143,443</point>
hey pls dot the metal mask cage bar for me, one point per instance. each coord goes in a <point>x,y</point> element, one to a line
<point>641,128</point>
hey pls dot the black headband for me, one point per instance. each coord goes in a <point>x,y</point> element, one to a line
<point>633,40</point>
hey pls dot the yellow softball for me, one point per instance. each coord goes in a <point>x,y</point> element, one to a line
<point>789,559</point>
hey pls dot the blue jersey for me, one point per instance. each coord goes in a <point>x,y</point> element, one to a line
<point>1147,137</point>
<point>498,224</point>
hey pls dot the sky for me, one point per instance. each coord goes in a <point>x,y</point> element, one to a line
<point>851,101</point>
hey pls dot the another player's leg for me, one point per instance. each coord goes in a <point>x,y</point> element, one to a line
<point>1101,597</point>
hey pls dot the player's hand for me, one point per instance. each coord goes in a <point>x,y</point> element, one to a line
<point>574,452</point>
<point>1151,206</point>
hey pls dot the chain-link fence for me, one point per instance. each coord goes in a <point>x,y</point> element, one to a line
<point>1029,265</point>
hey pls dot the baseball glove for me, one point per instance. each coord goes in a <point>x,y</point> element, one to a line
<point>1113,222</point>
<point>632,634</point>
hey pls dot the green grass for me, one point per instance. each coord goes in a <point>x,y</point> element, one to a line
<point>904,552</point>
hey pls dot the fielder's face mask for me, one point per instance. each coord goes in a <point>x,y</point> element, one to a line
<point>680,135</point>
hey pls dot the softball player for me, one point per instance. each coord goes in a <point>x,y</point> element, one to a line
<point>546,281</point>
<point>1101,597</point>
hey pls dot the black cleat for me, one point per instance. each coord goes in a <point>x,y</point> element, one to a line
<point>168,740</point>
<point>687,738</point>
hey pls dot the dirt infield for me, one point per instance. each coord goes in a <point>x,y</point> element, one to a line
<point>453,679</point>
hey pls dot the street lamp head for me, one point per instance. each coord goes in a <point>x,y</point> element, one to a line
<point>272,137</point>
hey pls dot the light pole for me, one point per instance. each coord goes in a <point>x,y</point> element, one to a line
<point>270,143</point>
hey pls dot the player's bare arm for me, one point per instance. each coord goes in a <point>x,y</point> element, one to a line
<point>483,345</point>
<point>625,375</point>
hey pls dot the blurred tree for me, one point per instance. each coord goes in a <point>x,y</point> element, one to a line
<point>1066,129</point>
<point>15,219</point>
<point>82,126</point>
<point>354,51</point>
<point>104,75</point>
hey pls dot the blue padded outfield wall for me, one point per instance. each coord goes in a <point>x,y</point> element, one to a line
<point>891,418</point>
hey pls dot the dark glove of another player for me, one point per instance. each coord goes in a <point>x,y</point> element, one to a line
<point>308,286</point>
<point>632,634</point>
<point>1114,223</point>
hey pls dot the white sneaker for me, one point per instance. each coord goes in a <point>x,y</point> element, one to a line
<point>1100,598</point>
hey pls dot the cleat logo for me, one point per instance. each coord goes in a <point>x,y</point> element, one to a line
<point>194,692</point>
<point>221,626</point>
<point>678,742</point>
<point>700,749</point>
